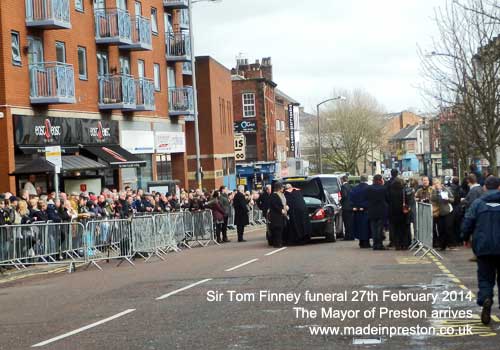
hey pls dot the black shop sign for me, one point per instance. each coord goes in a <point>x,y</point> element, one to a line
<point>50,131</point>
<point>291,127</point>
<point>245,126</point>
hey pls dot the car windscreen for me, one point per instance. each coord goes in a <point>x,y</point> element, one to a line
<point>308,188</point>
<point>330,184</point>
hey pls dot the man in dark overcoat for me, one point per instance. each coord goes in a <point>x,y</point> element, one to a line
<point>240,212</point>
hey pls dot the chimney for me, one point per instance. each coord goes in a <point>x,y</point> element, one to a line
<point>267,68</point>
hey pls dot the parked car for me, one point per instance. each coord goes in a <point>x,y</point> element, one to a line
<point>320,205</point>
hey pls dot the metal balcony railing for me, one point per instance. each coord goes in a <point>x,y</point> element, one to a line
<point>141,35</point>
<point>184,19</point>
<point>176,4</point>
<point>145,94</point>
<point>53,14</point>
<point>178,46</point>
<point>180,101</point>
<point>187,68</point>
<point>117,92</point>
<point>113,26</point>
<point>52,82</point>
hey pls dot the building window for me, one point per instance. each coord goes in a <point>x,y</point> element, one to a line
<point>277,125</point>
<point>154,20</point>
<point>16,52</point>
<point>79,5</point>
<point>163,167</point>
<point>171,77</point>
<point>156,72</point>
<point>82,63</point>
<point>60,52</point>
<point>249,105</point>
<point>282,125</point>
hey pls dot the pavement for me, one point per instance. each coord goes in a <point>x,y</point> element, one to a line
<point>185,301</point>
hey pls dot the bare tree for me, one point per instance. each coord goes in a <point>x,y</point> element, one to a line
<point>462,69</point>
<point>351,131</point>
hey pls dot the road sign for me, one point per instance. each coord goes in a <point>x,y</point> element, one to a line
<point>239,142</point>
<point>239,155</point>
<point>53,155</point>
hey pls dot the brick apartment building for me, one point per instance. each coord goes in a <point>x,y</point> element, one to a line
<point>215,109</point>
<point>103,79</point>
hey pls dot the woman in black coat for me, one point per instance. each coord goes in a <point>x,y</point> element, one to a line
<point>240,212</point>
<point>277,215</point>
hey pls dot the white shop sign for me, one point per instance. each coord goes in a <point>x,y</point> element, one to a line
<point>137,141</point>
<point>170,142</point>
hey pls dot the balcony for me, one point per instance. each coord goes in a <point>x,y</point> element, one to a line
<point>180,101</point>
<point>184,19</point>
<point>51,83</point>
<point>141,35</point>
<point>187,68</point>
<point>176,4</point>
<point>117,92</point>
<point>178,47</point>
<point>145,94</point>
<point>113,27</point>
<point>49,14</point>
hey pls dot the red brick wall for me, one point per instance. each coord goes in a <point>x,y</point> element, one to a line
<point>265,113</point>
<point>215,121</point>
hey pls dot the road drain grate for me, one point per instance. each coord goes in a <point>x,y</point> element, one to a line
<point>372,341</point>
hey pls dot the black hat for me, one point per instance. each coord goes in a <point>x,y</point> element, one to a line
<point>13,199</point>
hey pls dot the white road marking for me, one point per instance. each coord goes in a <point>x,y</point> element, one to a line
<point>183,289</point>
<point>79,330</point>
<point>241,265</point>
<point>276,251</point>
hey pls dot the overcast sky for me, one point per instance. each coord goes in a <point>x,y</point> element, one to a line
<point>319,45</point>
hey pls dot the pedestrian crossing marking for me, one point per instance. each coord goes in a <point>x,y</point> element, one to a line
<point>412,261</point>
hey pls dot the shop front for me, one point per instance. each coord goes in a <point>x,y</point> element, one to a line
<point>91,154</point>
<point>255,176</point>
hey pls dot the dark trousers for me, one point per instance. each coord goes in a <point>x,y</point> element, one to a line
<point>240,229</point>
<point>444,226</point>
<point>277,236</point>
<point>224,228</point>
<point>377,228</point>
<point>400,229</point>
<point>488,273</point>
<point>347,219</point>
<point>218,231</point>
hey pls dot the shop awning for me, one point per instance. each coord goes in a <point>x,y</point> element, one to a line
<point>79,163</point>
<point>70,163</point>
<point>115,156</point>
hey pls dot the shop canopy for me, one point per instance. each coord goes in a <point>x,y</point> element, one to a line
<point>115,156</point>
<point>70,163</point>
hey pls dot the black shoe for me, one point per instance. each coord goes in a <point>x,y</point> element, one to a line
<point>241,240</point>
<point>486,313</point>
<point>379,248</point>
<point>226,240</point>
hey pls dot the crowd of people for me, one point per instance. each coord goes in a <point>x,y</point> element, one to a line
<point>34,206</point>
<point>371,211</point>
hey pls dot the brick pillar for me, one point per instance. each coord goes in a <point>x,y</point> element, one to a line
<point>179,169</point>
<point>7,162</point>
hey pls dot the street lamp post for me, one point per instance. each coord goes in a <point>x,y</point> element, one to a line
<point>195,93</point>
<point>320,156</point>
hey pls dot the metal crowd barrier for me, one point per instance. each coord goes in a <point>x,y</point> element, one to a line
<point>424,231</point>
<point>203,226</point>
<point>44,242</point>
<point>144,238</point>
<point>230,220</point>
<point>108,239</point>
<point>164,231</point>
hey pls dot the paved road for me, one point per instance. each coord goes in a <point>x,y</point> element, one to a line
<point>163,304</point>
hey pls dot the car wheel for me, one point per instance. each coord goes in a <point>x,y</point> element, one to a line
<point>330,235</point>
